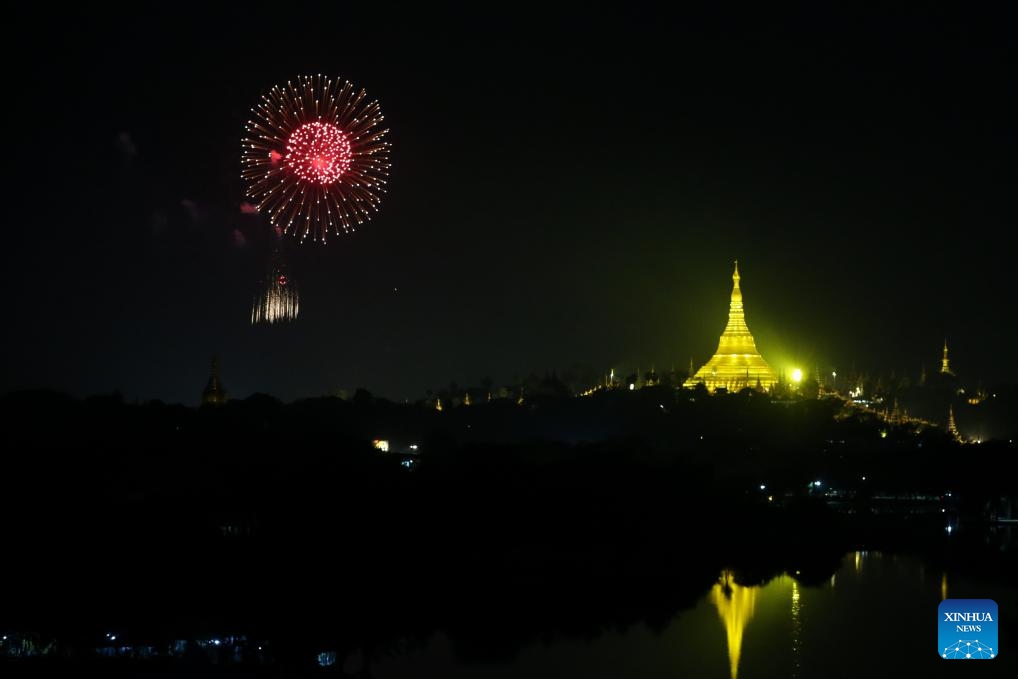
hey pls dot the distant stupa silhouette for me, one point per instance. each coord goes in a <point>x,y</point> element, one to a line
<point>737,363</point>
<point>214,394</point>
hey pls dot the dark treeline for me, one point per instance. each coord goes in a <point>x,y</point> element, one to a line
<point>507,522</point>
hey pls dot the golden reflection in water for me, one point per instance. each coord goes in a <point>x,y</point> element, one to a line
<point>943,585</point>
<point>796,628</point>
<point>735,605</point>
<point>858,561</point>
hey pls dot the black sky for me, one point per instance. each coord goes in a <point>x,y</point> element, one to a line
<point>568,187</point>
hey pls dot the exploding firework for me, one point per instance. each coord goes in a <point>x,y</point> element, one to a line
<point>315,157</point>
<point>277,300</point>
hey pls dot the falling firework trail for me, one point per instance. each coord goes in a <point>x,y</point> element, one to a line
<point>277,300</point>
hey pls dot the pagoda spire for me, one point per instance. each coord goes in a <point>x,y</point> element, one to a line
<point>214,394</point>
<point>737,356</point>
<point>952,428</point>
<point>945,364</point>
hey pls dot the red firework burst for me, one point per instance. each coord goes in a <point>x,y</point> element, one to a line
<point>315,157</point>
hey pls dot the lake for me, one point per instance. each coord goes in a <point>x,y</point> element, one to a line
<point>864,613</point>
<point>875,617</point>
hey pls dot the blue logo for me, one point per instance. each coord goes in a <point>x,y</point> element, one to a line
<point>967,629</point>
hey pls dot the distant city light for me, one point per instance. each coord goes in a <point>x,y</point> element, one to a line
<point>770,498</point>
<point>763,487</point>
<point>632,386</point>
<point>796,375</point>
<point>948,529</point>
<point>381,444</point>
<point>413,446</point>
<point>864,478</point>
<point>816,483</point>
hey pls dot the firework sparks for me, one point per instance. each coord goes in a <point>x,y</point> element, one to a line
<point>315,157</point>
<point>277,300</point>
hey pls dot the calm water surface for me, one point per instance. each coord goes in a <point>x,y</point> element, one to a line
<point>875,617</point>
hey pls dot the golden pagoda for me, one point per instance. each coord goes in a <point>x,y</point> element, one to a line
<point>945,362</point>
<point>952,428</point>
<point>737,363</point>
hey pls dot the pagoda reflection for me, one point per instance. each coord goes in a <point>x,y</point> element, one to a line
<point>736,605</point>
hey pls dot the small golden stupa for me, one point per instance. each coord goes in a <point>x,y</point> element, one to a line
<point>737,363</point>
<point>945,363</point>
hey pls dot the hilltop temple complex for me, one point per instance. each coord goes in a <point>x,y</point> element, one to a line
<point>737,363</point>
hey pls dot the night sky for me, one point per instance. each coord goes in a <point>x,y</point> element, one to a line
<point>567,188</point>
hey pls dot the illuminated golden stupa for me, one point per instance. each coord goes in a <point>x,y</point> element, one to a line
<point>736,364</point>
<point>945,363</point>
